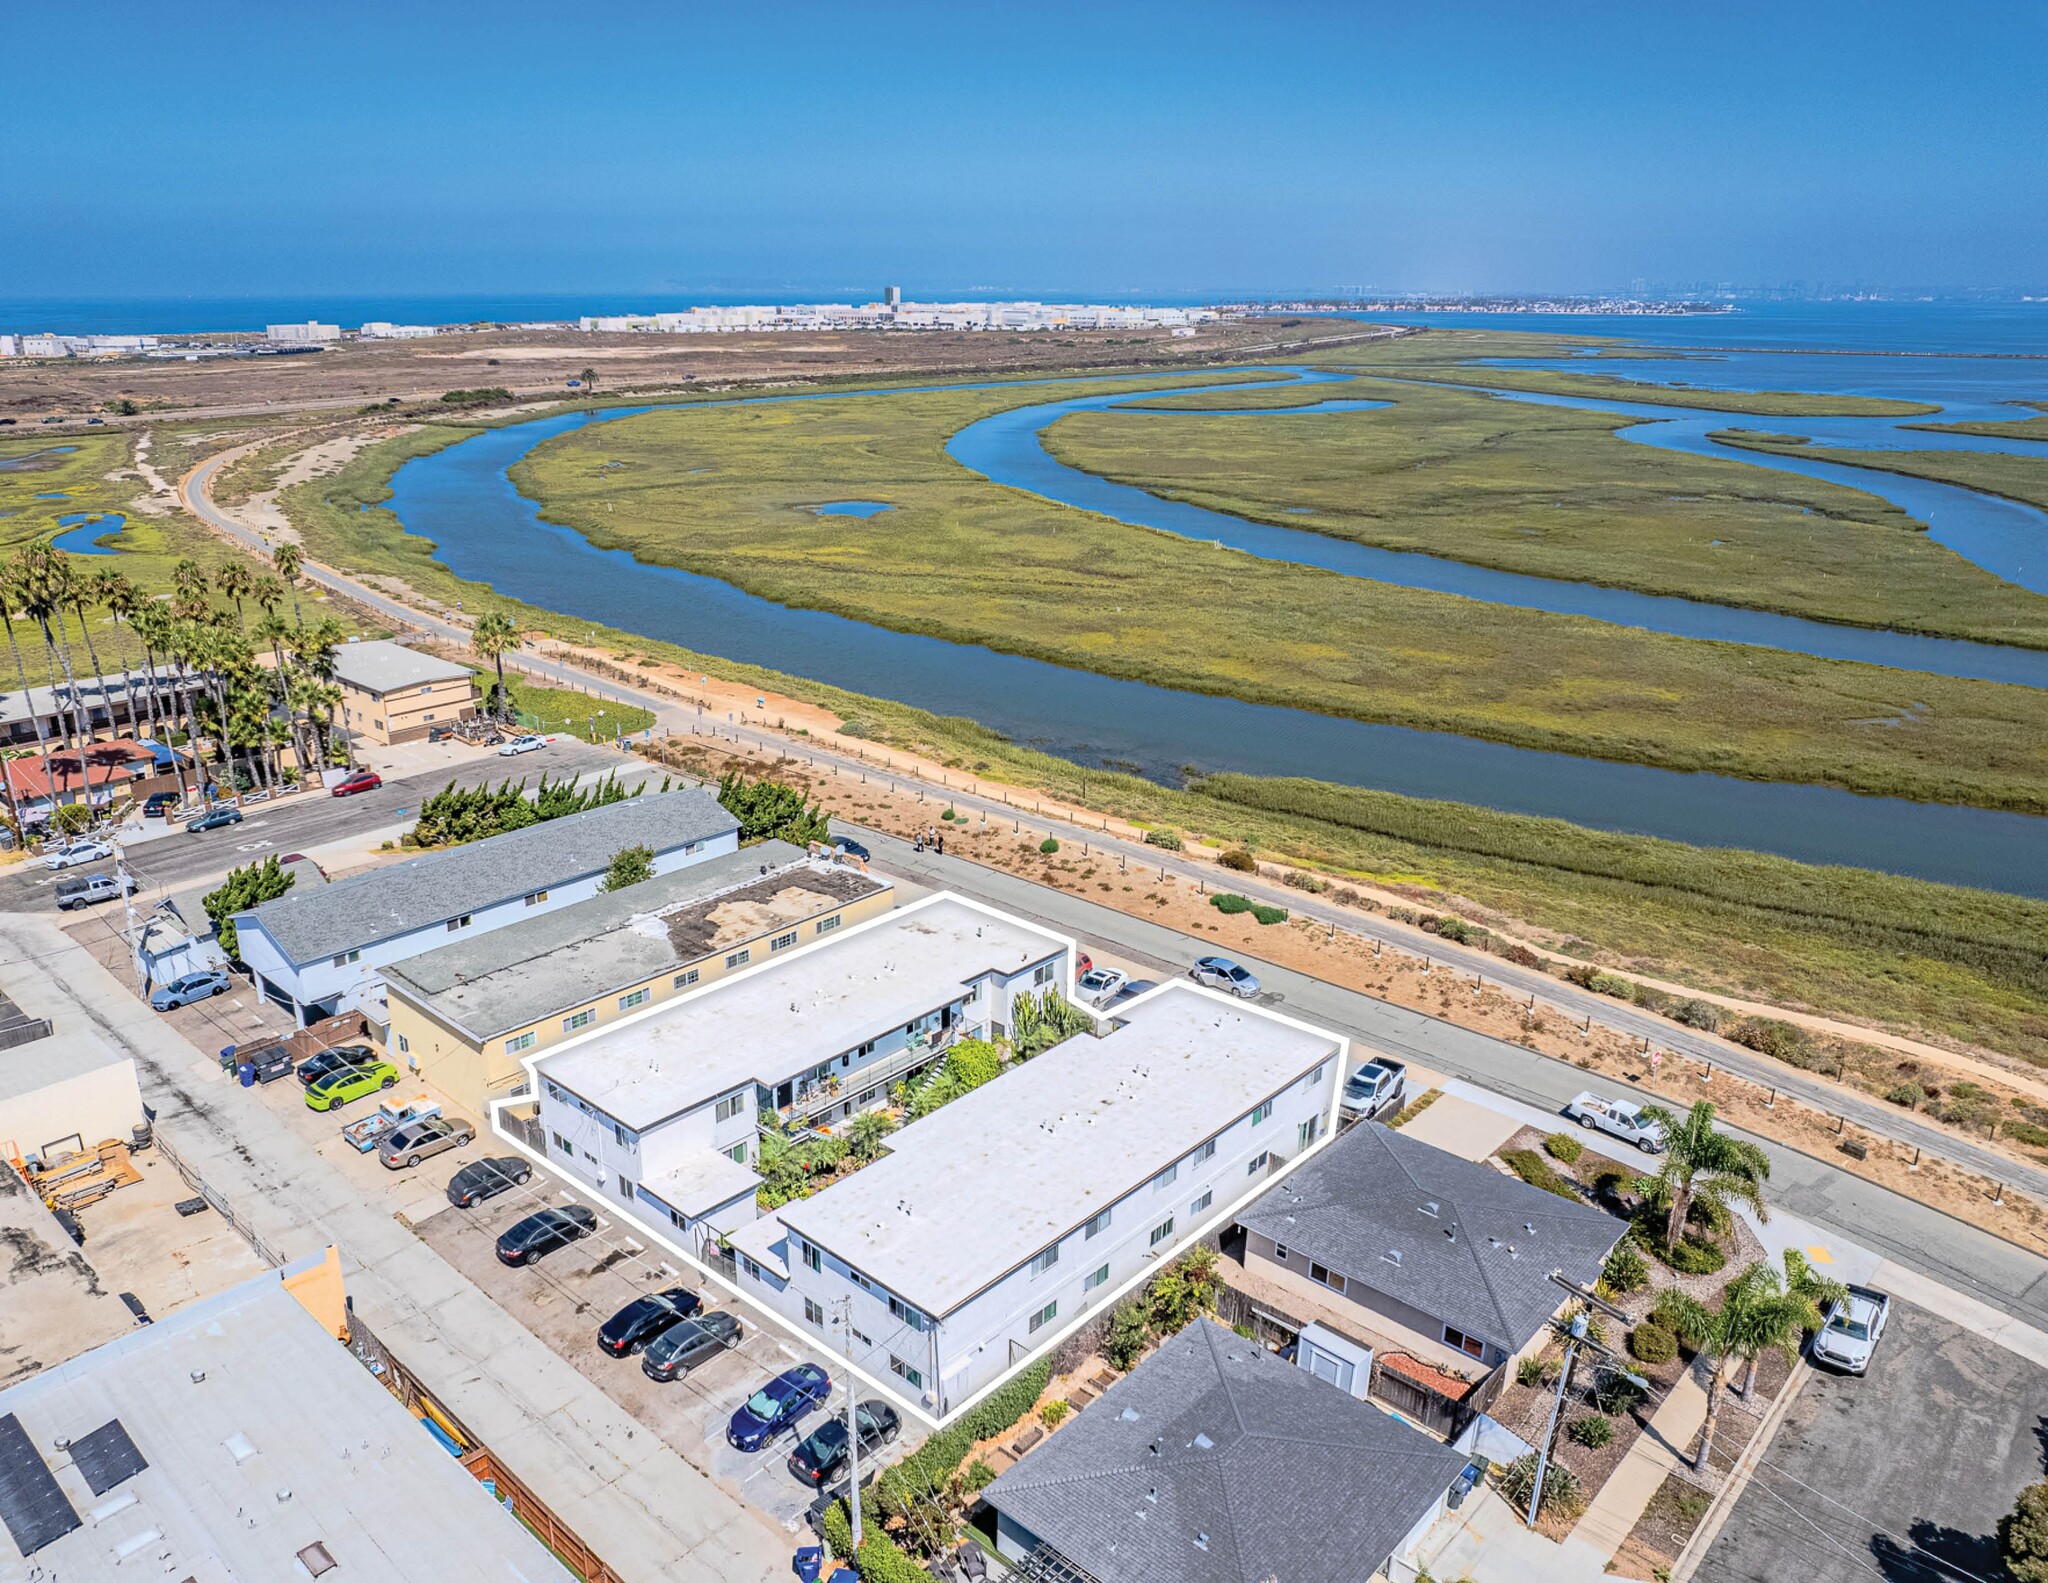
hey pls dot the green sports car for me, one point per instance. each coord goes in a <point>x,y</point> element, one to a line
<point>332,1090</point>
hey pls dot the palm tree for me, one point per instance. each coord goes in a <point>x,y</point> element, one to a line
<point>491,637</point>
<point>236,581</point>
<point>864,1134</point>
<point>288,559</point>
<point>45,590</point>
<point>122,599</point>
<point>189,601</point>
<point>589,378</point>
<point>1705,1168</point>
<point>153,625</point>
<point>317,701</point>
<point>11,595</point>
<point>1757,1315</point>
<point>314,650</point>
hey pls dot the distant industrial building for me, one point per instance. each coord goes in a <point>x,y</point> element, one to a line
<point>379,330</point>
<point>311,333</point>
<point>893,313</point>
<point>10,346</point>
<point>45,346</point>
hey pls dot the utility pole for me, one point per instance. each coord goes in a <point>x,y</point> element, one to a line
<point>845,1306</point>
<point>1576,1335</point>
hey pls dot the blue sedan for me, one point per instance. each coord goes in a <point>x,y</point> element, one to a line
<point>775,1408</point>
<point>193,986</point>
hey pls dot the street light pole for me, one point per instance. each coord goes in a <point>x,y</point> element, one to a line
<point>852,1422</point>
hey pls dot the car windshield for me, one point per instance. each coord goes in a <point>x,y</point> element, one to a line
<point>763,1405</point>
<point>1237,973</point>
<point>1854,1329</point>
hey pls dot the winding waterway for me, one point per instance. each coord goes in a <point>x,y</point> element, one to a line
<point>486,531</point>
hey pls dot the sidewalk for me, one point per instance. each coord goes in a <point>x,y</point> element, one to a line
<point>611,1479</point>
<point>1658,1450</point>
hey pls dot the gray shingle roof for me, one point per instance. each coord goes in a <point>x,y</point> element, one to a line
<point>381,665</point>
<point>1215,1462</point>
<point>1481,1261</point>
<point>364,908</point>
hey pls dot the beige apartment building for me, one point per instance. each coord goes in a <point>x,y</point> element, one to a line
<point>464,1016</point>
<point>390,693</point>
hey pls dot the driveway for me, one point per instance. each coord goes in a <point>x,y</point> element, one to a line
<point>1900,1476</point>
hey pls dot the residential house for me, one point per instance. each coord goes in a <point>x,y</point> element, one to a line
<point>390,693</point>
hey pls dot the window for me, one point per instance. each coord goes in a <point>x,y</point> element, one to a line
<point>813,1314</point>
<point>827,925</point>
<point>580,1019</point>
<point>1258,1163</point>
<point>1262,1112</point>
<point>903,1370</point>
<point>1099,1278</point>
<point>686,978</point>
<point>739,958</point>
<point>739,1151</point>
<point>1165,1178</point>
<point>1161,1232</point>
<point>521,1041</point>
<point>1305,1134</point>
<point>1205,1153</point>
<point>534,898</point>
<point>626,1186</point>
<point>1325,1276</point>
<point>458,923</point>
<point>404,1045</point>
<point>860,1280</point>
<point>1043,1317</point>
<point>1202,1203</point>
<point>1046,1260</point>
<point>864,1339</point>
<point>813,1258</point>
<point>1043,975</point>
<point>638,997</point>
<point>1098,1225</point>
<point>1280,1251</point>
<point>1314,1078</point>
<point>347,957</point>
<point>563,1145</point>
<point>626,1139</point>
<point>1471,1346</point>
<point>782,942</point>
<point>910,1316</point>
<point>729,1107</point>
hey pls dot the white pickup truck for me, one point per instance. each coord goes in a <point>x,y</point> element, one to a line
<point>1376,1091</point>
<point>1852,1330</point>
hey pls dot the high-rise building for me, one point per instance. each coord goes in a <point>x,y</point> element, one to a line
<point>892,296</point>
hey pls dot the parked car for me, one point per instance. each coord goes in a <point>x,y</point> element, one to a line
<point>482,1179</point>
<point>1099,985</point>
<point>333,1059</point>
<point>528,743</point>
<point>82,890</point>
<point>271,1062</point>
<point>645,1318</point>
<point>406,1146</point>
<point>361,781</point>
<point>683,1347</point>
<point>774,1409</point>
<point>544,1232</point>
<point>349,1084</point>
<point>1853,1329</point>
<point>215,819</point>
<point>821,1454</point>
<point>1219,972</point>
<point>1623,1118</point>
<point>1378,1088</point>
<point>73,853</point>
<point>1130,992</point>
<point>157,805</point>
<point>192,986</point>
<point>847,847</point>
<point>1083,961</point>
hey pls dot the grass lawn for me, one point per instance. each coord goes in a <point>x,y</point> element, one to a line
<point>561,709</point>
<point>2021,478</point>
<point>1552,492</point>
<point>729,492</point>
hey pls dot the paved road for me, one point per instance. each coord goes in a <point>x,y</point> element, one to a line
<point>1901,1476</point>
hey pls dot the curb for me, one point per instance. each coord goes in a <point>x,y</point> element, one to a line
<point>1710,1527</point>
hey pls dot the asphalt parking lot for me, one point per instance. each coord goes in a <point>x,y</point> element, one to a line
<point>1901,1475</point>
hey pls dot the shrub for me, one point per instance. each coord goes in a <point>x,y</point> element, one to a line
<point>1532,1168</point>
<point>1129,1329</point>
<point>1537,1371</point>
<point>1611,984</point>
<point>979,1475</point>
<point>1048,846</point>
<point>1779,1040</point>
<point>1239,861</point>
<point>1563,1147</point>
<point>1691,1256</point>
<point>1563,1497</point>
<point>2032,1134</point>
<point>839,1530</point>
<point>1625,1269</point>
<point>243,889</point>
<point>1652,1343</point>
<point>1911,1095</point>
<point>1005,1405</point>
<point>1702,1014</point>
<point>1610,1182</point>
<point>1270,914</point>
<point>1052,1413</point>
<point>1614,1393</point>
<point>2023,1536</point>
<point>949,815</point>
<point>1168,839</point>
<point>1226,902</point>
<point>1304,881</point>
<point>483,397</point>
<point>1592,1433</point>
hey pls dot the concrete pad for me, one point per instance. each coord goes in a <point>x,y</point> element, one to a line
<point>1487,1542</point>
<point>1459,1127</point>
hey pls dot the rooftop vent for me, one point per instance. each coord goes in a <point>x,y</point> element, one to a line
<point>1530,1227</point>
<point>199,1376</point>
<point>1201,1541</point>
<point>315,1559</point>
<point>1129,1415</point>
<point>1430,1208</point>
<point>1393,1257</point>
<point>239,1447</point>
<point>1204,1443</point>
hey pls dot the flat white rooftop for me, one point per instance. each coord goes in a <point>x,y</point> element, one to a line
<point>799,1011</point>
<point>983,1184</point>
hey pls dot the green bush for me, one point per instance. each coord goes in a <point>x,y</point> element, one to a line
<point>1652,1343</point>
<point>1611,984</point>
<point>1625,1270</point>
<point>1564,1497</point>
<point>949,815</point>
<point>1779,1040</point>
<point>1239,861</point>
<point>1048,846</point>
<point>1702,1014</point>
<point>1691,1256</point>
<point>1911,1095</point>
<point>769,809</point>
<point>2023,1536</point>
<point>1169,840</point>
<point>1592,1433</point>
<point>2032,1134</point>
<point>1614,1393</point>
<point>1225,902</point>
<point>979,1475</point>
<point>1270,914</point>
<point>1563,1147</point>
<point>1129,1329</point>
<point>1006,1404</point>
<point>485,396</point>
<point>1537,1371</point>
<point>243,889</point>
<point>1532,1168</point>
<point>1610,1182</point>
<point>1301,880</point>
<point>839,1530</point>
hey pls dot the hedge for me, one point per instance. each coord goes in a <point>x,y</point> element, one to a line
<point>1564,1147</point>
<point>1270,914</point>
<point>1532,1168</point>
<point>1239,861</point>
<point>1227,902</point>
<point>1168,839</point>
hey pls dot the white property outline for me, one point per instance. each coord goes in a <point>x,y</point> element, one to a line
<point>810,1339</point>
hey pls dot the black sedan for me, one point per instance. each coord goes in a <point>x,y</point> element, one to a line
<point>333,1060</point>
<point>544,1232</point>
<point>821,1454</point>
<point>681,1348</point>
<point>482,1179</point>
<point>641,1320</point>
<point>775,1408</point>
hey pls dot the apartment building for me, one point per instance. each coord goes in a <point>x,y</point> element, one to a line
<point>390,693</point>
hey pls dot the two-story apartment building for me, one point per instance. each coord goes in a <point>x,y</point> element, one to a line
<point>1002,1220</point>
<point>659,1111</point>
<point>467,1014</point>
<point>390,693</point>
<point>312,949</point>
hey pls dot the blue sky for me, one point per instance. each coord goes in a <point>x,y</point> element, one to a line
<point>438,147</point>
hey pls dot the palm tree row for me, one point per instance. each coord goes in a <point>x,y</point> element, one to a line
<point>249,711</point>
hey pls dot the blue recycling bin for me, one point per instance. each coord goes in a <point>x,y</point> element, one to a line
<point>245,1074</point>
<point>809,1562</point>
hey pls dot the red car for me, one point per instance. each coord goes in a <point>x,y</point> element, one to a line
<point>361,781</point>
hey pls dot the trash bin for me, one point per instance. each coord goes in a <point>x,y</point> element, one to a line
<point>245,1074</point>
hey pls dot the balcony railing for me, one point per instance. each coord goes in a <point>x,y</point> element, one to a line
<point>813,1099</point>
